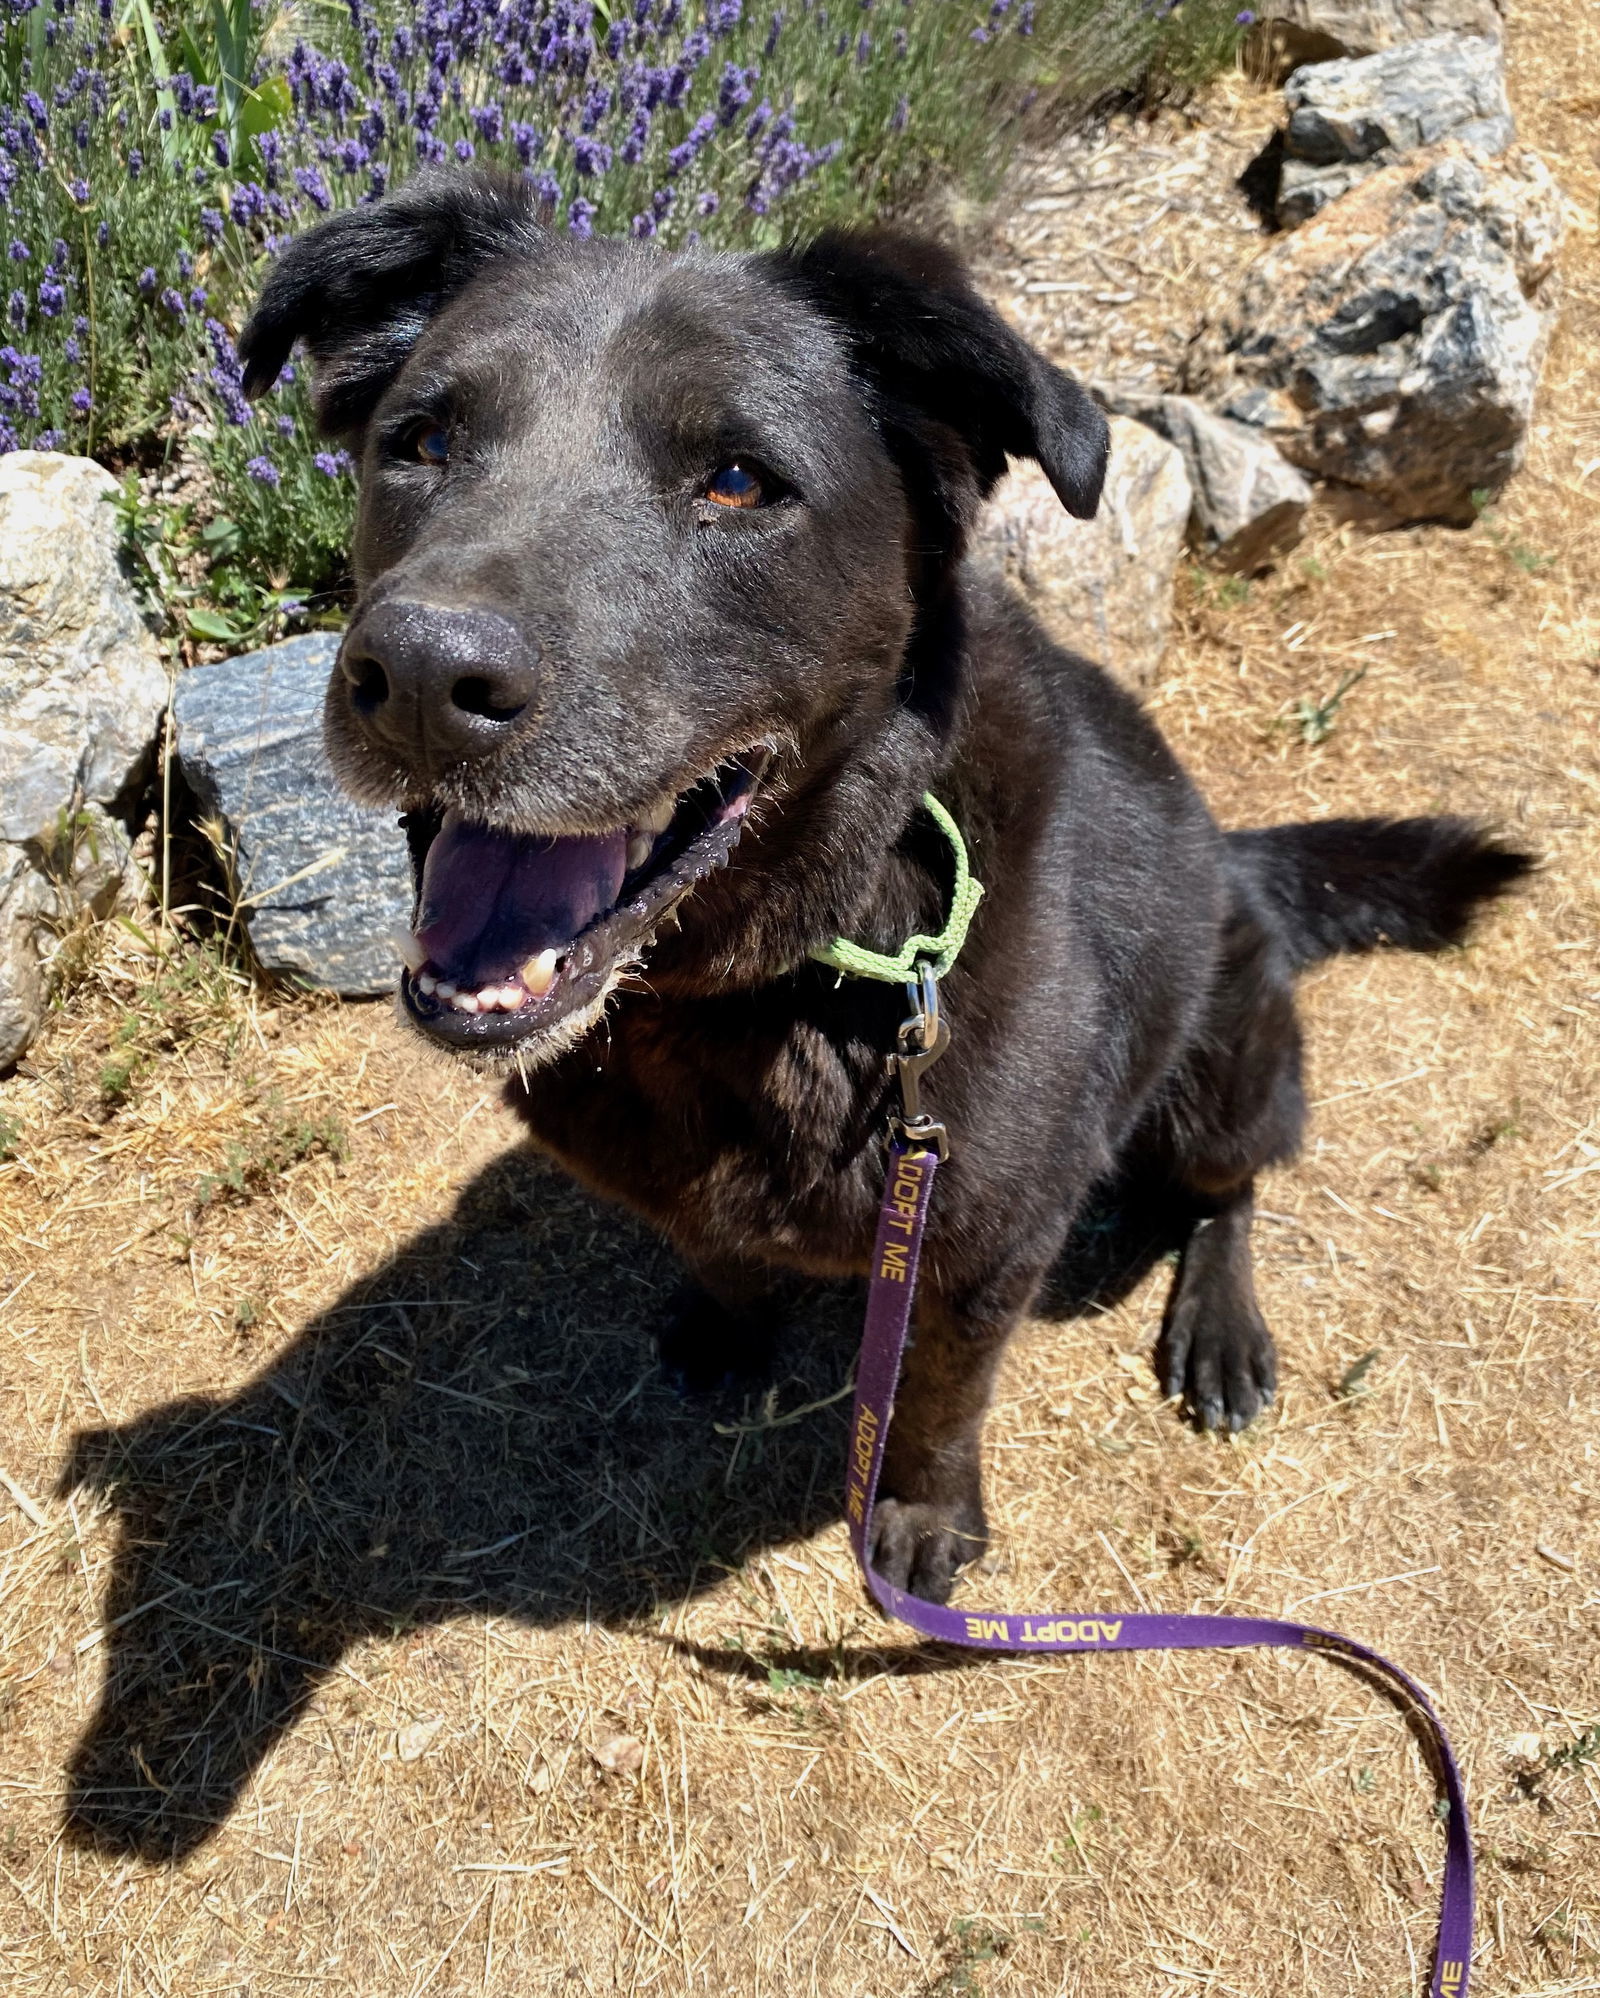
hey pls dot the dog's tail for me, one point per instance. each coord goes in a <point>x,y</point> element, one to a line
<point>1352,884</point>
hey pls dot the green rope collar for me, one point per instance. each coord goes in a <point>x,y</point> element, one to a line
<point>938,952</point>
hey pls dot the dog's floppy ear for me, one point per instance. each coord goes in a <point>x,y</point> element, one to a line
<point>359,288</point>
<point>921,335</point>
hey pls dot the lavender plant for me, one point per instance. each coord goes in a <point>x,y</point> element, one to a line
<point>151,161</point>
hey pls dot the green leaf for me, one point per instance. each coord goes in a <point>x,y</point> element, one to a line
<point>212,625</point>
<point>264,108</point>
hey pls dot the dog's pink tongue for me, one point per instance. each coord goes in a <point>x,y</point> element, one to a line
<point>491,900</point>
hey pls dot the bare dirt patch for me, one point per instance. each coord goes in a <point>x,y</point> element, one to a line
<point>287,1702</point>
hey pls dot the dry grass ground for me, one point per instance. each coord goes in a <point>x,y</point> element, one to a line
<point>288,1703</point>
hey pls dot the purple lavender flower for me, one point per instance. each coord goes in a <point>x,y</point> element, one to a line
<point>185,265</point>
<point>642,225</point>
<point>82,401</point>
<point>17,309</point>
<point>247,203</point>
<point>708,204</point>
<point>333,464</point>
<point>312,185</point>
<point>465,150</point>
<point>72,347</point>
<point>172,301</point>
<point>102,234</point>
<point>263,471</point>
<point>769,46</point>
<point>528,141</point>
<point>725,16</point>
<point>147,280</point>
<point>684,156</point>
<point>135,163</point>
<point>735,91</point>
<point>285,426</point>
<point>19,252</point>
<point>633,146</point>
<point>49,440</point>
<point>52,297</point>
<point>1245,18</point>
<point>212,223</point>
<point>591,157</point>
<point>580,217</point>
<point>900,115</point>
<point>220,149</point>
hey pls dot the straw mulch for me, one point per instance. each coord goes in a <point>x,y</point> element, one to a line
<point>372,1621</point>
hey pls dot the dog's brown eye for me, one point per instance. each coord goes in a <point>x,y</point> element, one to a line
<point>736,485</point>
<point>432,444</point>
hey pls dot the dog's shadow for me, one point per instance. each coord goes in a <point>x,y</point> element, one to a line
<point>477,1425</point>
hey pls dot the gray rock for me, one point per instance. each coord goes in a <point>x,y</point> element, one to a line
<point>82,690</point>
<point>1291,32</point>
<point>1394,343</point>
<point>1346,119</point>
<point>1249,503</point>
<point>1101,586</point>
<point>324,884</point>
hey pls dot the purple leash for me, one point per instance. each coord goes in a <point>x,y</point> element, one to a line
<point>902,1219</point>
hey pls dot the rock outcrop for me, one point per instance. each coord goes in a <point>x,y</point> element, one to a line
<point>1291,32</point>
<point>1248,502</point>
<point>1348,119</point>
<point>1103,587</point>
<point>1393,344</point>
<point>323,884</point>
<point>82,692</point>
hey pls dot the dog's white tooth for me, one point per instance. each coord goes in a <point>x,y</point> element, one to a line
<point>539,973</point>
<point>465,1002</point>
<point>412,954</point>
<point>443,989</point>
<point>426,982</point>
<point>639,850</point>
<point>511,997</point>
<point>489,998</point>
<point>657,818</point>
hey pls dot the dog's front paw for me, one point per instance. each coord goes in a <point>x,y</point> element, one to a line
<point>920,1548</point>
<point>706,1349</point>
<point>1215,1351</point>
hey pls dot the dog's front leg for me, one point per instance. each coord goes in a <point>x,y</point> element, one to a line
<point>929,1520</point>
<point>721,1326</point>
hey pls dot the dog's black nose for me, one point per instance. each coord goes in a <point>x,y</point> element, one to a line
<point>435,685</point>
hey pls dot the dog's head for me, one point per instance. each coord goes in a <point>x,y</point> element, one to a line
<point>655,555</point>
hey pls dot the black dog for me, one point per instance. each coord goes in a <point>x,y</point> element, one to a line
<point>663,610</point>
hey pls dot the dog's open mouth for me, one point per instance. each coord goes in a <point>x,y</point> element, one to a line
<point>515,933</point>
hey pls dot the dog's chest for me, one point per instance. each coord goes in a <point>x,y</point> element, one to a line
<point>735,1135</point>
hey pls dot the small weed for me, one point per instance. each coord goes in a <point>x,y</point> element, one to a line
<point>246,1314</point>
<point>1313,570</point>
<point>1364,1780</point>
<point>251,1168</point>
<point>1516,552</point>
<point>788,1679</point>
<point>1226,592</point>
<point>1494,1130</point>
<point>975,1942</point>
<point>1353,1381</point>
<point>1315,719</point>
<point>1574,1754</point>
<point>10,1136</point>
<point>193,992</point>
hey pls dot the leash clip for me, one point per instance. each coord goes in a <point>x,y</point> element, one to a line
<point>924,1036</point>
